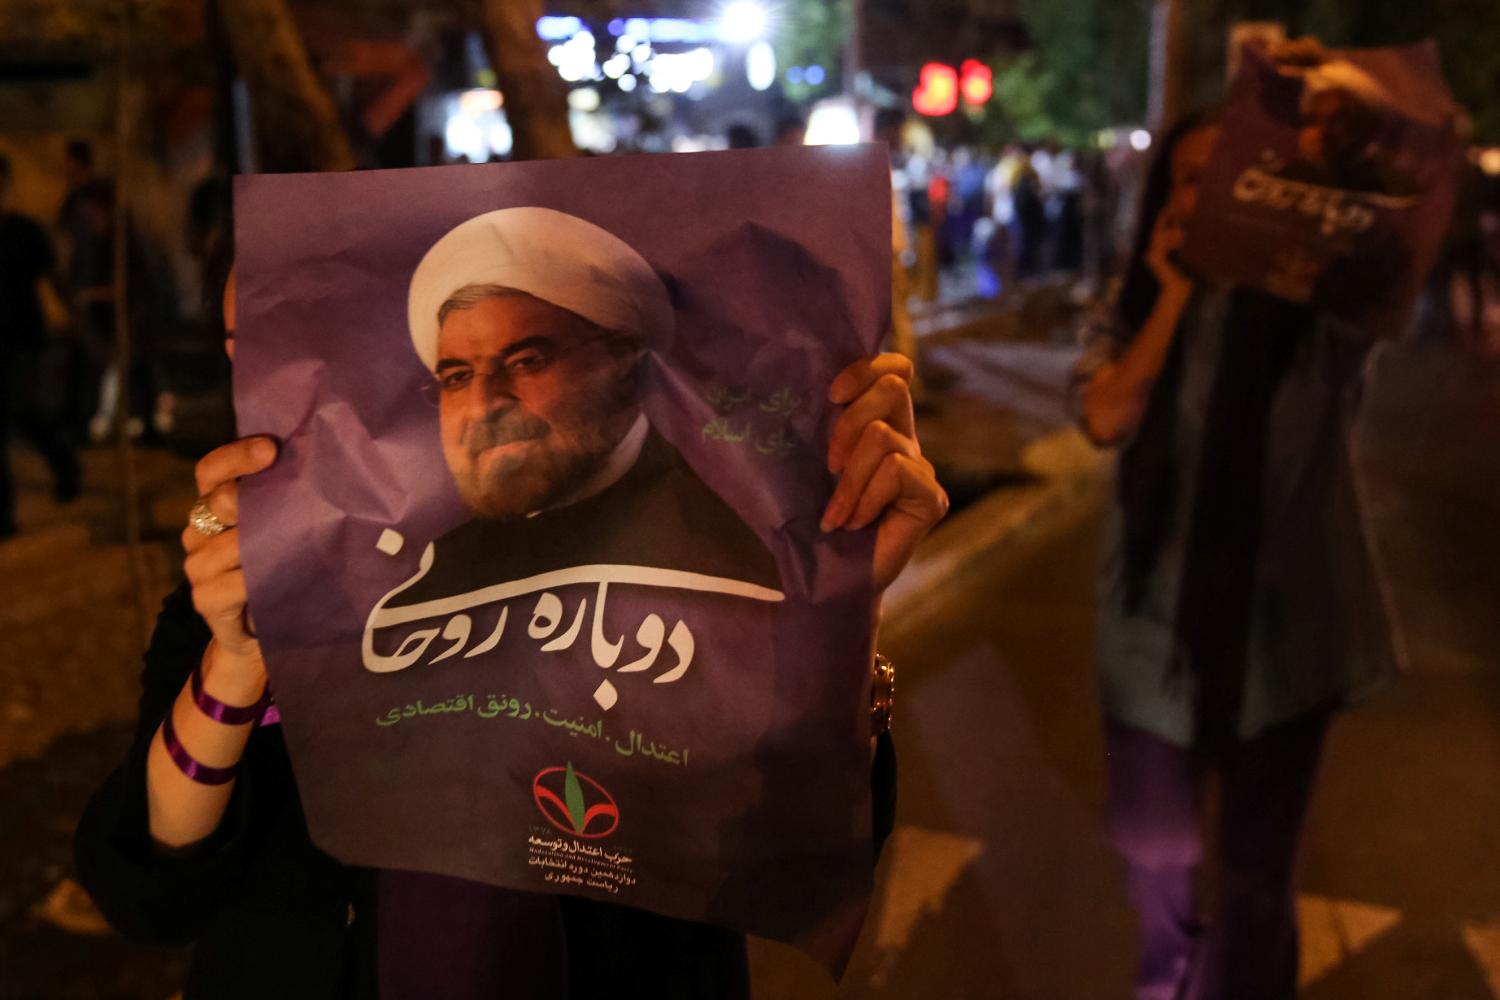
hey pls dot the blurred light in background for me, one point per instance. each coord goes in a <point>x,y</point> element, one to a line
<point>583,99</point>
<point>814,76</point>
<point>627,83</point>
<point>651,29</point>
<point>676,72</point>
<point>591,132</point>
<point>466,139</point>
<point>978,82</point>
<point>1489,161</point>
<point>1140,140</point>
<point>477,103</point>
<point>500,139</point>
<point>669,29</point>
<point>474,125</point>
<point>760,65</point>
<point>833,123</point>
<point>741,22</point>
<point>558,29</point>
<point>574,58</point>
<point>937,91</point>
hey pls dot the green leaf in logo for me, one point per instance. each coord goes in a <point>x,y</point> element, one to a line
<point>573,793</point>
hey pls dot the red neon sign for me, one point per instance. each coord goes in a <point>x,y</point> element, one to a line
<point>937,90</point>
<point>978,82</point>
<point>941,86</point>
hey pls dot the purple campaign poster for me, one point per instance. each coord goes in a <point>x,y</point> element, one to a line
<point>538,572</point>
<point>1332,181</point>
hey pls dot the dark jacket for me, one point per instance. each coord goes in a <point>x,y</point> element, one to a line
<point>272,916</point>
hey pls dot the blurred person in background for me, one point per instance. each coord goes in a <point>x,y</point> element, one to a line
<point>1029,197</point>
<point>26,260</point>
<point>1065,213</point>
<point>1473,273</point>
<point>965,200</point>
<point>791,130</point>
<point>939,193</point>
<point>82,183</point>
<point>1239,603</point>
<point>741,136</point>
<point>1101,206</point>
<point>1000,188</point>
<point>917,171</point>
<point>86,221</point>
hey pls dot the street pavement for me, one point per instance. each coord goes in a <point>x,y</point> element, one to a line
<point>998,881</point>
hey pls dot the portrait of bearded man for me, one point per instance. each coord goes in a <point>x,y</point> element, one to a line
<point>535,327</point>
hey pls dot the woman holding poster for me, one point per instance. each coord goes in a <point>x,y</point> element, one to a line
<point>203,835</point>
<point>1240,607</point>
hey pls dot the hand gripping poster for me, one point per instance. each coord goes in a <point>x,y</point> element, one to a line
<point>538,574</point>
<point>1333,180</point>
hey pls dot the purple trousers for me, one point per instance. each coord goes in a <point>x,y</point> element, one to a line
<point>1247,950</point>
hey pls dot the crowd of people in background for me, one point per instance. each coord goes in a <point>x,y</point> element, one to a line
<point>58,395</point>
<point>62,386</point>
<point>993,221</point>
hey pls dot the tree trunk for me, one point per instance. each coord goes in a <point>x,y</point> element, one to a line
<point>1168,63</point>
<point>296,124</point>
<point>536,100</point>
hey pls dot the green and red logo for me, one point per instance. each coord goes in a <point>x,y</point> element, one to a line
<point>574,802</point>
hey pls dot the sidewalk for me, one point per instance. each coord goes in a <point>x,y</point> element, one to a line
<point>999,881</point>
<point>70,648</point>
<point>70,629</point>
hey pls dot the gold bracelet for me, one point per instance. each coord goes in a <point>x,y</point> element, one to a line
<point>882,696</point>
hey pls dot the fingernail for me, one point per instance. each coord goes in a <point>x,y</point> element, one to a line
<point>836,391</point>
<point>265,449</point>
<point>831,518</point>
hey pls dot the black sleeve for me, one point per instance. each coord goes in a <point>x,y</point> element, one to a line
<point>39,255</point>
<point>46,254</point>
<point>147,895</point>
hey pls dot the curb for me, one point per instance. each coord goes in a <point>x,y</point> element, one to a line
<point>1062,461</point>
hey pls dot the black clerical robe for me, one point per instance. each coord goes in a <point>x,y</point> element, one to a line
<point>658,515</point>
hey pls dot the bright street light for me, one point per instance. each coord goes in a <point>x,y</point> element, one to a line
<point>760,66</point>
<point>833,122</point>
<point>741,22</point>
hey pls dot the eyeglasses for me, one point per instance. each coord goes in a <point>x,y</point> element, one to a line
<point>453,381</point>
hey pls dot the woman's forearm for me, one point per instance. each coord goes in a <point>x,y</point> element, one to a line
<point>1114,400</point>
<point>182,812</point>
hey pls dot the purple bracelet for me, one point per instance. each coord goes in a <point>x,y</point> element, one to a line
<point>194,770</point>
<point>217,710</point>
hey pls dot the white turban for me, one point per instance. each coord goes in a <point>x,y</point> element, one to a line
<point>1342,75</point>
<point>555,257</point>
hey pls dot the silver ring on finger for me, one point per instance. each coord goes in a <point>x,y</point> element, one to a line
<point>204,521</point>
